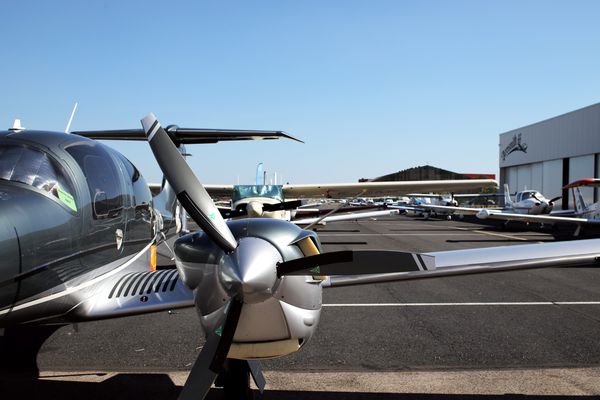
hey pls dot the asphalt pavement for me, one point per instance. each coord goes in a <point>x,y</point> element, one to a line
<point>534,331</point>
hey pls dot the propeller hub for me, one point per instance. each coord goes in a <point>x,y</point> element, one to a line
<point>253,268</point>
<point>254,209</point>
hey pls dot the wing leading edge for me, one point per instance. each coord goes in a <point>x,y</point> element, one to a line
<point>372,189</point>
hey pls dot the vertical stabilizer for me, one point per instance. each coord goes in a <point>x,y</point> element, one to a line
<point>580,205</point>
<point>507,200</point>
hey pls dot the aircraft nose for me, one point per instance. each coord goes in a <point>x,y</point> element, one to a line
<point>255,268</point>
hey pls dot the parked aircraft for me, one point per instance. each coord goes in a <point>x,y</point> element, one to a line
<point>256,283</point>
<point>583,216</point>
<point>527,202</point>
<point>74,215</point>
<point>433,205</point>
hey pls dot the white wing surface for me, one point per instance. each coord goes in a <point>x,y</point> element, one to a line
<point>372,189</point>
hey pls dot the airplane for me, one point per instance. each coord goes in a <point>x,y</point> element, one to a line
<point>583,215</point>
<point>76,240</point>
<point>526,203</point>
<point>433,205</point>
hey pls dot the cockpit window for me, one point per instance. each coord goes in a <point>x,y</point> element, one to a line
<point>141,192</point>
<point>245,191</point>
<point>102,178</point>
<point>528,195</point>
<point>28,165</point>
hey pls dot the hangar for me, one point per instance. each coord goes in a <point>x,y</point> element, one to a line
<point>549,154</point>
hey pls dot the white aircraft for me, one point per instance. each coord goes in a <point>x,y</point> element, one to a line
<point>583,215</point>
<point>433,205</point>
<point>526,203</point>
<point>529,202</point>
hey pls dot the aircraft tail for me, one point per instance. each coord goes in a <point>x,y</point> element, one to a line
<point>580,205</point>
<point>507,200</point>
<point>165,203</point>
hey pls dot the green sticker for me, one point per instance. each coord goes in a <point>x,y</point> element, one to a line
<point>212,215</point>
<point>67,199</point>
<point>316,270</point>
<point>219,331</point>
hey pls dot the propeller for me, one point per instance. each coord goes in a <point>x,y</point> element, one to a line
<point>356,262</point>
<point>190,192</point>
<point>243,280</point>
<point>245,270</point>
<point>554,199</point>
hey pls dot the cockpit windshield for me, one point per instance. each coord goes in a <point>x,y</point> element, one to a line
<point>245,191</point>
<point>24,164</point>
<point>530,194</point>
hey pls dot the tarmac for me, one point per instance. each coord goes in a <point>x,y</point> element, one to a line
<point>526,334</point>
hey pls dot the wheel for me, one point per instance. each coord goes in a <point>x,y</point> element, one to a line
<point>236,380</point>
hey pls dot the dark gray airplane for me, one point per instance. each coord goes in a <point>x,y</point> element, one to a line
<point>79,227</point>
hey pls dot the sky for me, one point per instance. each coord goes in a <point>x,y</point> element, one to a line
<point>372,87</point>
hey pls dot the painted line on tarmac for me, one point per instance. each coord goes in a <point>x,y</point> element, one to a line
<point>494,234</point>
<point>414,233</point>
<point>469,304</point>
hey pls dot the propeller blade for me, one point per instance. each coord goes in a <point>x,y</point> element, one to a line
<point>554,199</point>
<point>286,205</point>
<point>355,262</point>
<point>212,357</point>
<point>190,192</point>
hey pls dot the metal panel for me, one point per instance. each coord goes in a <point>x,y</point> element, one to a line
<point>537,175</point>
<point>579,168</point>
<point>573,134</point>
<point>552,180</point>
<point>523,177</point>
<point>511,179</point>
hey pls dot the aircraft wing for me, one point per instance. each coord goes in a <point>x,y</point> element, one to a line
<point>462,262</point>
<point>541,218</point>
<point>219,190</point>
<point>374,189</point>
<point>451,209</point>
<point>344,217</point>
<point>215,191</point>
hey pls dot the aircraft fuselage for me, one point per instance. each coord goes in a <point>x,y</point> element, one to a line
<point>68,206</point>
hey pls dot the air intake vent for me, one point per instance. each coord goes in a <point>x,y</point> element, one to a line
<point>143,283</point>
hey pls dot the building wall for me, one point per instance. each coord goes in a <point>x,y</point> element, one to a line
<point>549,154</point>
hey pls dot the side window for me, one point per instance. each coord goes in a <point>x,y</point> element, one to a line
<point>102,179</point>
<point>141,191</point>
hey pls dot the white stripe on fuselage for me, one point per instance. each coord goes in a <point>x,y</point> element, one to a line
<point>78,287</point>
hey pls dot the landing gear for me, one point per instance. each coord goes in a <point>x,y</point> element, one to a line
<point>235,380</point>
<point>19,347</point>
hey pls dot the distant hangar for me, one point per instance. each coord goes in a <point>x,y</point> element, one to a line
<point>549,154</point>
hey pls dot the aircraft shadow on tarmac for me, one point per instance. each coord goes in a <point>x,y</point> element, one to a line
<point>495,240</point>
<point>160,387</point>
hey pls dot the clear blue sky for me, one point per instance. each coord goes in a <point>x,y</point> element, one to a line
<point>373,87</point>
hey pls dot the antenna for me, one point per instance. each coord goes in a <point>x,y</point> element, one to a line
<point>68,128</point>
<point>17,126</point>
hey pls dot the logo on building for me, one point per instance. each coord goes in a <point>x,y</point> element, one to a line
<point>514,145</point>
